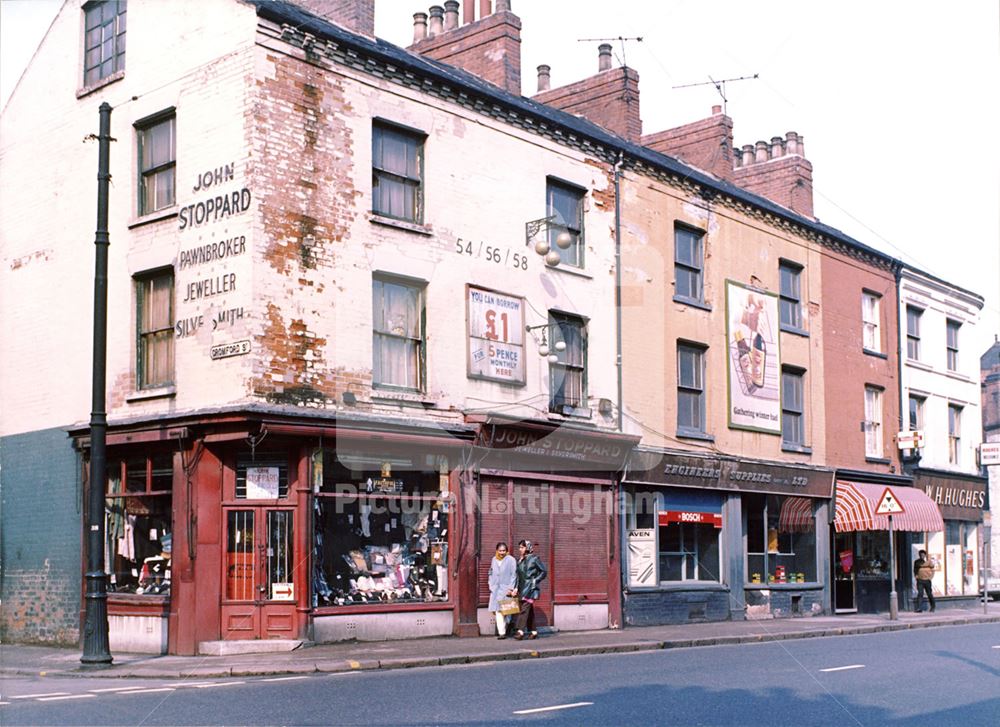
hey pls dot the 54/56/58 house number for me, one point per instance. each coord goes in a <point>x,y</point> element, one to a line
<point>492,253</point>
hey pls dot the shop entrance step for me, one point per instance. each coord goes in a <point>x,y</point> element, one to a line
<point>248,646</point>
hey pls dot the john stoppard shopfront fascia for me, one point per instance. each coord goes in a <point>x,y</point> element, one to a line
<point>716,538</point>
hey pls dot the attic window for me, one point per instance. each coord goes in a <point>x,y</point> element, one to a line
<point>104,40</point>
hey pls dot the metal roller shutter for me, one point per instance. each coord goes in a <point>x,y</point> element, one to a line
<point>581,543</point>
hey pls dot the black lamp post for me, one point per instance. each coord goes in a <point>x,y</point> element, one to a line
<point>96,650</point>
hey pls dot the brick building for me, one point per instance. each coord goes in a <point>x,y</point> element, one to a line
<point>372,311</point>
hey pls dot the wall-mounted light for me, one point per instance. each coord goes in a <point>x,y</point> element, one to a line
<point>543,345</point>
<point>564,239</point>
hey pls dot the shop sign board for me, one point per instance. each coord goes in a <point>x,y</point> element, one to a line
<point>910,440</point>
<point>753,360</point>
<point>683,516</point>
<point>989,453</point>
<point>888,504</point>
<point>282,591</point>
<point>262,483</point>
<point>496,336</point>
<point>641,558</point>
<point>956,498</point>
<point>584,449</point>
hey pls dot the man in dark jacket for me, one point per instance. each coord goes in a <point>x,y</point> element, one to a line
<point>530,573</point>
<point>923,571</point>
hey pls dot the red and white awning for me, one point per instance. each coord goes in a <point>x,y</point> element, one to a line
<point>796,515</point>
<point>856,504</point>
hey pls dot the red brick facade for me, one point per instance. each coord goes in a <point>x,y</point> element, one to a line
<point>610,98</point>
<point>706,144</point>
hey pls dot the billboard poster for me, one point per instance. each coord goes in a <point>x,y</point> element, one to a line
<point>754,361</point>
<point>496,336</point>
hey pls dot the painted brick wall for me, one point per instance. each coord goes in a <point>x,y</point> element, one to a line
<point>661,608</point>
<point>40,538</point>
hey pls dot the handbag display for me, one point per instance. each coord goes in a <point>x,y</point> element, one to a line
<point>509,605</point>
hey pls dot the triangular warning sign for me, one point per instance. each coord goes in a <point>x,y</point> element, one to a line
<point>888,504</point>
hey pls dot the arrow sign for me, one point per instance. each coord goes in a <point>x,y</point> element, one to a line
<point>888,504</point>
<point>282,591</point>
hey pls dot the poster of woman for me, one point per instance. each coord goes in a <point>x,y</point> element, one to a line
<point>754,361</point>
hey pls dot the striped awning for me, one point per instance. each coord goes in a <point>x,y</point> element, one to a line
<point>796,516</point>
<point>856,503</point>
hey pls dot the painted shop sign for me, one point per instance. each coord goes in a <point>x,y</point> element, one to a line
<point>564,445</point>
<point>655,468</point>
<point>754,360</point>
<point>495,336</point>
<point>957,499</point>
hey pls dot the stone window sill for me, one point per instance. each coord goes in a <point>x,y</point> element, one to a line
<point>876,354</point>
<point>701,305</point>
<point>165,214</point>
<point>97,85</point>
<point>162,392</point>
<point>794,330</point>
<point>691,434</point>
<point>419,229</point>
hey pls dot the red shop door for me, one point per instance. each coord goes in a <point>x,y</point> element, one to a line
<point>259,590</point>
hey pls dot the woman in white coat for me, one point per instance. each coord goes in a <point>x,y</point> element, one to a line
<point>503,581</point>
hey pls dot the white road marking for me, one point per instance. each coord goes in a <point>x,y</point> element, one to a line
<point>997,646</point>
<point>191,684</point>
<point>40,694</point>
<point>148,691</point>
<point>218,684</point>
<point>111,689</point>
<point>68,696</point>
<point>845,668</point>
<point>553,709</point>
<point>281,679</point>
<point>1,703</point>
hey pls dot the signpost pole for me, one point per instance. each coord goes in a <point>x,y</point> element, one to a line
<point>893,604</point>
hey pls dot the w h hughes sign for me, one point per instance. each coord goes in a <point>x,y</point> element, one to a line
<point>958,498</point>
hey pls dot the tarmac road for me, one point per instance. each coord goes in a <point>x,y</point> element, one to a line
<point>937,676</point>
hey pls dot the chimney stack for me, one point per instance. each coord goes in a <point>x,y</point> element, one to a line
<point>706,144</point>
<point>778,171</point>
<point>419,27</point>
<point>450,15</point>
<point>544,80</point>
<point>437,21</point>
<point>604,57</point>
<point>357,16</point>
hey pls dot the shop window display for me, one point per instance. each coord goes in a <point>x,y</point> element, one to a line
<point>954,554</point>
<point>379,537</point>
<point>137,526</point>
<point>781,539</point>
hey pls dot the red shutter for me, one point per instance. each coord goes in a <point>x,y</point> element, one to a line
<point>494,526</point>
<point>580,517</point>
<point>530,506</point>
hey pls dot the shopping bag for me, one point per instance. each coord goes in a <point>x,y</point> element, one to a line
<point>509,606</point>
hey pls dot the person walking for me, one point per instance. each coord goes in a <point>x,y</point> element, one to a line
<point>530,573</point>
<point>503,582</point>
<point>923,570</point>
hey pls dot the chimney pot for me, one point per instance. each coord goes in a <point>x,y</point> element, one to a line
<point>747,155</point>
<point>792,142</point>
<point>485,8</point>
<point>437,20</point>
<point>419,27</point>
<point>468,11</point>
<point>604,57</point>
<point>762,150</point>
<point>777,147</point>
<point>451,14</point>
<point>802,147</point>
<point>544,80</point>
<point>716,110</point>
<point>503,6</point>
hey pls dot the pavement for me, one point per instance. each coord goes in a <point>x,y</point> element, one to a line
<point>24,660</point>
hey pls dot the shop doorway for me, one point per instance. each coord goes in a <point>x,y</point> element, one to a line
<point>844,574</point>
<point>259,590</point>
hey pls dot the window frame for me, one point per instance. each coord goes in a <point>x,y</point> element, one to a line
<point>790,300</point>
<point>913,316</point>
<point>143,285</point>
<point>874,415</point>
<point>144,174</point>
<point>574,254</point>
<point>559,321</point>
<point>787,409</point>
<point>695,388</point>
<point>915,412</point>
<point>118,25</point>
<point>416,179</point>
<point>764,501</point>
<point>952,328</point>
<point>955,433</point>
<point>694,268</point>
<point>871,329</point>
<point>420,360</point>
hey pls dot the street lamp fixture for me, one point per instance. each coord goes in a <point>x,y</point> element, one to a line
<point>564,239</point>
<point>543,345</point>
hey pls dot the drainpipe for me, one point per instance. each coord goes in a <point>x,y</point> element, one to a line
<point>618,282</point>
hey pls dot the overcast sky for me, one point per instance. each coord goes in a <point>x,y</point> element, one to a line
<point>897,100</point>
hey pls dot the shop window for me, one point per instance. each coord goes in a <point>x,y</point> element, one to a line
<point>398,334</point>
<point>137,524</point>
<point>873,422</point>
<point>568,375</point>
<point>104,39</point>
<point>380,534</point>
<point>871,335</point>
<point>781,539</point>
<point>790,296</point>
<point>955,555</point>
<point>155,329</point>
<point>690,389</point>
<point>792,408</point>
<point>688,264</point>
<point>565,203</point>
<point>261,476</point>
<point>689,531</point>
<point>913,333</point>
<point>157,162</point>
<point>397,172</point>
<point>954,434</point>
<point>952,344</point>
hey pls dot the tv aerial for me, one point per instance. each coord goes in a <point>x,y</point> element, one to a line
<point>720,86</point>
<point>621,41</point>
